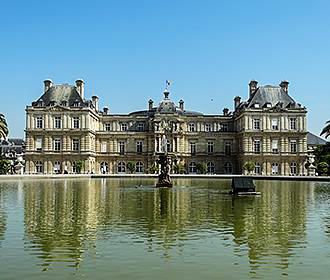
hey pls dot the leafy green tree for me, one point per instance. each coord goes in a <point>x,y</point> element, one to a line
<point>4,166</point>
<point>179,168</point>
<point>153,169</point>
<point>322,168</point>
<point>131,166</point>
<point>80,164</point>
<point>4,131</point>
<point>249,166</point>
<point>201,168</point>
<point>326,129</point>
<point>322,154</point>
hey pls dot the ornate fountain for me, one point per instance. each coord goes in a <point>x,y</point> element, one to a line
<point>164,180</point>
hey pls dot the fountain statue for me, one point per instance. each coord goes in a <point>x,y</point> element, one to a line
<point>164,160</point>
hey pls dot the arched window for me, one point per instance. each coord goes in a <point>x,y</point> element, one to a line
<point>228,168</point>
<point>192,167</point>
<point>293,168</point>
<point>57,167</point>
<point>210,167</point>
<point>39,166</point>
<point>104,167</point>
<point>121,167</point>
<point>139,167</point>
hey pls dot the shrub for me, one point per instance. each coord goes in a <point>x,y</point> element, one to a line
<point>179,168</point>
<point>4,166</point>
<point>201,168</point>
<point>131,166</point>
<point>249,166</point>
<point>322,168</point>
<point>153,169</point>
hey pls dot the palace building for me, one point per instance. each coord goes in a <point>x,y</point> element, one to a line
<point>65,129</point>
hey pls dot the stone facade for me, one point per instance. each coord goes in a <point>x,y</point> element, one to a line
<point>63,128</point>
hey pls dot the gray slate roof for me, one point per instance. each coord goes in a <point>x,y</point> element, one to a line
<point>313,139</point>
<point>271,94</point>
<point>59,93</point>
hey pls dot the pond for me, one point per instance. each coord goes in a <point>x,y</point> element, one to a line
<point>125,229</point>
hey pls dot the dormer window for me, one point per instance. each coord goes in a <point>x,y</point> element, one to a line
<point>64,103</point>
<point>52,103</point>
<point>268,105</point>
<point>256,105</point>
<point>191,127</point>
<point>40,103</point>
<point>76,104</point>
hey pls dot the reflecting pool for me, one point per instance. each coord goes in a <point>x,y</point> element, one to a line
<point>126,229</point>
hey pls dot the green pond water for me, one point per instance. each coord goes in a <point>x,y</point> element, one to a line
<point>126,229</point>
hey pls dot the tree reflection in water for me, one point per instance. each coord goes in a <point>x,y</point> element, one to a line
<point>64,219</point>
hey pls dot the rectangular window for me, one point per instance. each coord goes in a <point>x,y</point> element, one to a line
<point>123,127</point>
<point>140,126</point>
<point>193,148</point>
<point>208,127</point>
<point>191,127</point>
<point>156,125</point>
<point>107,126</point>
<point>75,145</point>
<point>275,146</point>
<point>274,124</point>
<point>224,127</point>
<point>57,144</point>
<point>139,145</point>
<point>275,168</point>
<point>39,144</point>
<point>103,147</point>
<point>175,144</point>
<point>157,144</point>
<point>256,124</point>
<point>75,122</point>
<point>257,168</point>
<point>122,147</point>
<point>210,147</point>
<point>257,146</point>
<point>39,122</point>
<point>228,145</point>
<point>293,123</point>
<point>293,146</point>
<point>57,122</point>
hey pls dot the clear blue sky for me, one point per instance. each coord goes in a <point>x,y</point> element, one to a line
<point>125,50</point>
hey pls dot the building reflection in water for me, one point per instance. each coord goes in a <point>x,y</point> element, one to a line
<point>65,218</point>
<point>3,216</point>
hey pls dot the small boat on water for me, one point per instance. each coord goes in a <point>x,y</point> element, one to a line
<point>243,186</point>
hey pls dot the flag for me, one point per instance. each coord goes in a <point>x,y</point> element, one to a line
<point>168,83</point>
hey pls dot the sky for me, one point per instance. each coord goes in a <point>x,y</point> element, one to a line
<point>126,50</point>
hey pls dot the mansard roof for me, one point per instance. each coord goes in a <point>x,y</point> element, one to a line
<point>273,95</point>
<point>59,93</point>
<point>313,139</point>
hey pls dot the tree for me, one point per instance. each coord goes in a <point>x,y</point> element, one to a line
<point>4,166</point>
<point>201,168</point>
<point>80,164</point>
<point>326,129</point>
<point>179,168</point>
<point>322,168</point>
<point>131,166</point>
<point>322,154</point>
<point>153,169</point>
<point>249,166</point>
<point>4,131</point>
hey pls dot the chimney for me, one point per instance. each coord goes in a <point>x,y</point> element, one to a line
<point>95,101</point>
<point>237,101</point>
<point>80,87</point>
<point>252,87</point>
<point>151,104</point>
<point>48,84</point>
<point>181,104</point>
<point>225,111</point>
<point>105,110</point>
<point>284,85</point>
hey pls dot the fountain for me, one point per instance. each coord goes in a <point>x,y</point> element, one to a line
<point>164,180</point>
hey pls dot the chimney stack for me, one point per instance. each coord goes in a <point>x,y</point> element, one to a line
<point>151,104</point>
<point>225,111</point>
<point>80,87</point>
<point>252,87</point>
<point>284,85</point>
<point>95,101</point>
<point>237,101</point>
<point>48,84</point>
<point>181,105</point>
